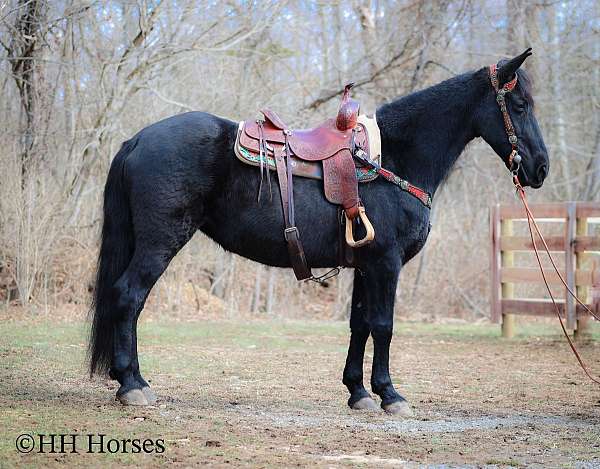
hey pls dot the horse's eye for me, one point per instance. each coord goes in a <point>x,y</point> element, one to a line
<point>521,108</point>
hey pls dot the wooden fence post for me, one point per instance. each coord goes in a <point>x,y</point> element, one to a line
<point>508,289</point>
<point>570,306</point>
<point>495,262</point>
<point>582,291</point>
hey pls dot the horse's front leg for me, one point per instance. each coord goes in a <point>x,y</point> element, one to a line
<point>359,333</point>
<point>380,281</point>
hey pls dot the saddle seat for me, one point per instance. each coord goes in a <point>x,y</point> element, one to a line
<point>314,144</point>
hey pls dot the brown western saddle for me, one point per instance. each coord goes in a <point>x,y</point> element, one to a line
<point>324,152</point>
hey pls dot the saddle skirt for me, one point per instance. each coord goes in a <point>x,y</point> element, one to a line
<point>311,149</point>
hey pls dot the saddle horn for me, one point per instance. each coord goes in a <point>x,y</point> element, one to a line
<point>348,113</point>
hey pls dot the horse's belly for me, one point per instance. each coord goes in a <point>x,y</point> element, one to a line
<point>255,229</point>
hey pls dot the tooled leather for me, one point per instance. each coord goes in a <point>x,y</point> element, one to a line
<point>324,143</point>
<point>248,139</point>
<point>341,184</point>
<point>314,144</point>
<point>274,119</point>
<point>347,115</point>
<point>308,169</point>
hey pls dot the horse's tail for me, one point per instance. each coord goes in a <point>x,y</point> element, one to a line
<point>116,250</point>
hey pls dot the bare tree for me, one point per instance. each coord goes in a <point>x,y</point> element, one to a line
<point>79,78</point>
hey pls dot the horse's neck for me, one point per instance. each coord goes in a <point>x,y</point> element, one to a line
<point>423,134</point>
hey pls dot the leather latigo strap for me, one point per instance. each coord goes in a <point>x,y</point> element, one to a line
<point>291,234</point>
<point>263,161</point>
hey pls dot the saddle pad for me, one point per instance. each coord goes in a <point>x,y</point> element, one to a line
<point>314,169</point>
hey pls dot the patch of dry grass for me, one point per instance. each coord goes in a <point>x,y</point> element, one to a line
<point>269,393</point>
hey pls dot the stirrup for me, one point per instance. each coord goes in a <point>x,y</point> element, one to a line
<point>370,230</point>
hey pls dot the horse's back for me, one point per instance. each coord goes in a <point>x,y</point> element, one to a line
<point>184,142</point>
<point>175,164</point>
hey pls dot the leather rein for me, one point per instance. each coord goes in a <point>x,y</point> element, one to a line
<point>513,163</point>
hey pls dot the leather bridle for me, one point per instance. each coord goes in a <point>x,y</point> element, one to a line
<point>513,163</point>
<point>514,159</point>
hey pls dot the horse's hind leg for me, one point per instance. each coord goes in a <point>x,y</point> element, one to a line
<point>135,365</point>
<point>130,293</point>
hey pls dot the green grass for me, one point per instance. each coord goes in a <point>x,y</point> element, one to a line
<point>45,335</point>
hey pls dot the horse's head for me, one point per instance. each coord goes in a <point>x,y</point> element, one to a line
<point>506,121</point>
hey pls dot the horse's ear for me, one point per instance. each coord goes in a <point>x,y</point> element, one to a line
<point>506,72</point>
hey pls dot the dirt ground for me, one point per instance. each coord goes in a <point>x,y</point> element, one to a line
<point>266,393</point>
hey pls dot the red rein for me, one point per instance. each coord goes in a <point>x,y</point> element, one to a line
<point>532,224</point>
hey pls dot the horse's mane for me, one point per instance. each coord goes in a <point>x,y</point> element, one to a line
<point>525,84</point>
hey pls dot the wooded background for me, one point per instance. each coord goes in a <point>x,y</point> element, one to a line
<point>78,78</point>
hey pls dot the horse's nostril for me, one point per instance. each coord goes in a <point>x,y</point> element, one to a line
<point>542,172</point>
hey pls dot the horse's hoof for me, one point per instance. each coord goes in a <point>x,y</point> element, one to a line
<point>133,397</point>
<point>365,403</point>
<point>398,408</point>
<point>150,395</point>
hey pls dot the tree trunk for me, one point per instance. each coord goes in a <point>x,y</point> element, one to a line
<point>21,55</point>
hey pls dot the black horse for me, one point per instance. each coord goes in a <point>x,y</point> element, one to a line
<point>180,175</point>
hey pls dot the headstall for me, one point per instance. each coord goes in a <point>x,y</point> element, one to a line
<point>514,159</point>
